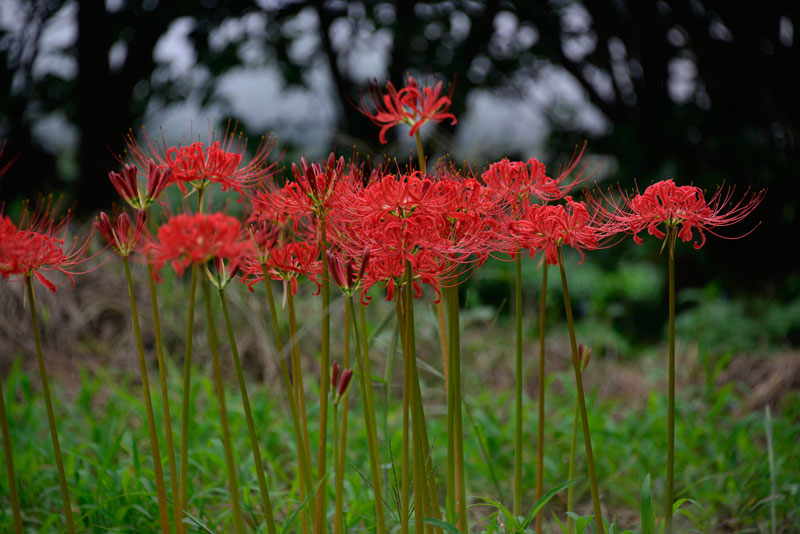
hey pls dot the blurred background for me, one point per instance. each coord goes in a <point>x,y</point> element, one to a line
<point>705,92</point>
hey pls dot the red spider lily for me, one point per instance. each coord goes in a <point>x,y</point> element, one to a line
<point>679,206</point>
<point>122,237</point>
<point>186,240</point>
<point>216,160</point>
<point>515,181</point>
<point>286,263</point>
<point>127,184</point>
<point>409,105</point>
<point>36,245</point>
<point>548,227</point>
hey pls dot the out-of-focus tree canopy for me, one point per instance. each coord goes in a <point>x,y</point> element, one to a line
<point>702,91</point>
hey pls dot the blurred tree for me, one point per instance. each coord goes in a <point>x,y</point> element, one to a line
<point>702,90</point>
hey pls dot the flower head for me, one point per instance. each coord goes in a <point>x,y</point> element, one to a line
<point>127,184</point>
<point>410,105</point>
<point>683,207</point>
<point>218,159</point>
<point>37,245</point>
<point>548,227</point>
<point>122,237</point>
<point>186,240</point>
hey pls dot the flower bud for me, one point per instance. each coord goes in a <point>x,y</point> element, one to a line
<point>584,355</point>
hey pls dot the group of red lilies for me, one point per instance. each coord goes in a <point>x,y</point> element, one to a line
<point>343,223</point>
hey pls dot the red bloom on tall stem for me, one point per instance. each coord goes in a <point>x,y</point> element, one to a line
<point>127,184</point>
<point>684,207</point>
<point>37,245</point>
<point>122,237</point>
<point>548,227</point>
<point>218,159</point>
<point>410,105</point>
<point>185,240</point>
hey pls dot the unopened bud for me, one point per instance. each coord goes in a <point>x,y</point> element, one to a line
<point>584,355</point>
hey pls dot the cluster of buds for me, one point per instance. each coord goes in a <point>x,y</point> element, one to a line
<point>340,381</point>
<point>127,184</point>
<point>344,274</point>
<point>318,181</point>
<point>122,236</point>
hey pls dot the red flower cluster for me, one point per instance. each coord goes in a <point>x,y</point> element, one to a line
<point>677,206</point>
<point>548,227</point>
<point>122,237</point>
<point>36,245</point>
<point>410,105</point>
<point>186,240</point>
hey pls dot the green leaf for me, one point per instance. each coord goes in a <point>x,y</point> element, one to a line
<point>545,498</point>
<point>444,525</point>
<point>288,526</point>
<point>511,519</point>
<point>648,521</point>
<point>558,521</point>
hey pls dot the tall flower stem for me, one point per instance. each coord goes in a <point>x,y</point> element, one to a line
<point>340,436</point>
<point>266,504</point>
<point>162,375</point>
<point>13,494</point>
<point>420,153</point>
<point>186,399</point>
<point>671,234</point>
<point>303,461</point>
<point>451,446</point>
<point>540,435</point>
<point>324,385</point>
<point>418,477</point>
<point>297,372</point>
<point>518,390</point>
<point>571,470</point>
<point>219,387</point>
<point>456,415</point>
<point>368,402</point>
<point>576,364</point>
<point>163,509</point>
<point>51,418</point>
<point>405,480</point>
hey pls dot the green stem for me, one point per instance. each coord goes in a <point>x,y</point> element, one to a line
<point>297,373</point>
<point>324,385</point>
<point>13,493</point>
<point>219,387</point>
<point>163,509</point>
<point>251,428</point>
<point>418,477</point>
<point>519,382</point>
<point>451,447</point>
<point>367,400</point>
<point>458,430</point>
<point>162,375</point>
<point>51,418</point>
<point>338,520</point>
<point>186,400</point>
<point>571,476</point>
<point>404,468</point>
<point>576,364</point>
<point>304,469</point>
<point>668,497</point>
<point>420,154</point>
<point>540,435</point>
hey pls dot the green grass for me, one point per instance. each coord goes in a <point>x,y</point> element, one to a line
<point>721,458</point>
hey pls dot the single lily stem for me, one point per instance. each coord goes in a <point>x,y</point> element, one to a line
<point>571,471</point>
<point>162,375</point>
<point>367,400</point>
<point>340,436</point>
<point>324,385</point>
<point>186,400</point>
<point>418,477</point>
<point>519,382</point>
<point>540,436</point>
<point>420,154</point>
<point>219,387</point>
<point>163,509</point>
<point>451,447</point>
<point>576,364</point>
<point>266,504</point>
<point>405,479</point>
<point>51,418</point>
<point>13,493</point>
<point>671,235</point>
<point>303,461</point>
<point>458,429</point>
<point>297,372</point>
